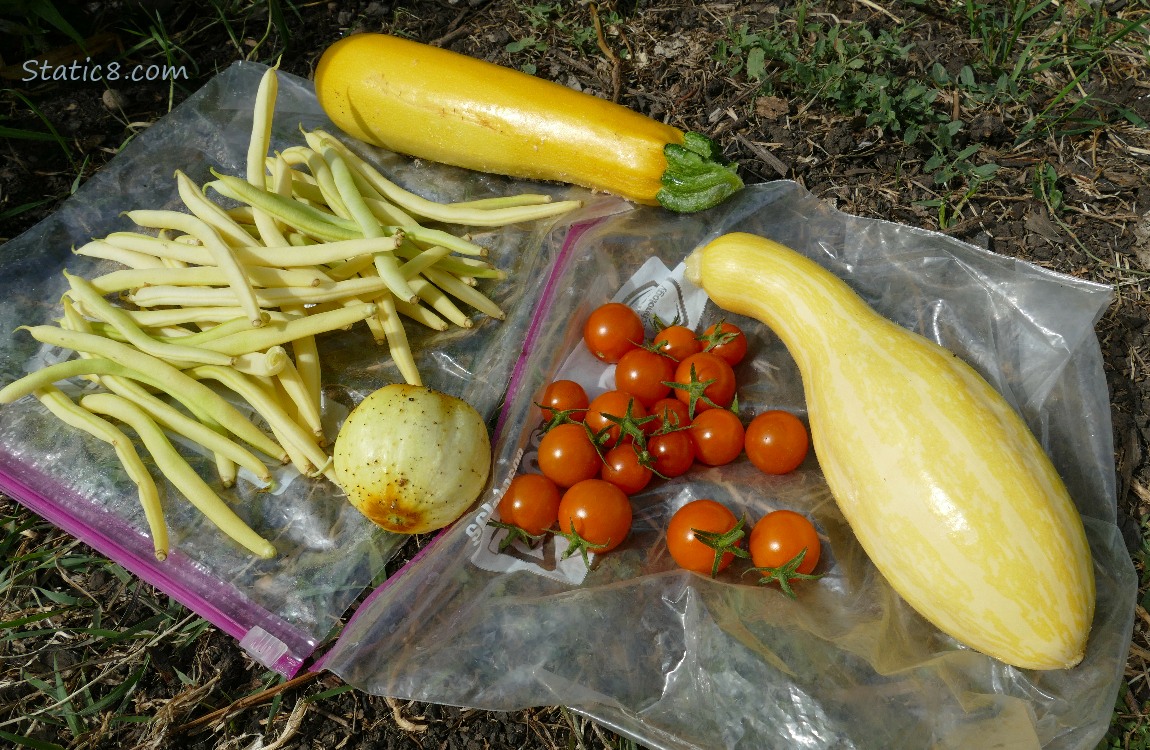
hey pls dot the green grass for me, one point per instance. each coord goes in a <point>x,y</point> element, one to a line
<point>49,134</point>
<point>803,57</point>
<point>169,40</point>
<point>851,68</point>
<point>563,21</point>
<point>43,593</point>
<point>155,42</point>
<point>93,657</point>
<point>33,21</point>
<point>266,24</point>
<point>1035,62</point>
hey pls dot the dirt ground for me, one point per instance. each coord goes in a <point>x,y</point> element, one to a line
<point>660,59</point>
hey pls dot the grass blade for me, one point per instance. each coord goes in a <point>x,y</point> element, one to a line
<point>29,742</point>
<point>52,135</point>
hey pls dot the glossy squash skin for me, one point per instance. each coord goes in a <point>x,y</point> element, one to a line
<point>942,482</point>
<point>435,104</point>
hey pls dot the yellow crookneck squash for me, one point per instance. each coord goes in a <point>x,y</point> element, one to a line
<point>435,104</point>
<point>942,482</point>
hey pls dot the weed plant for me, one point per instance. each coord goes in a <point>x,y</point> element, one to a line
<point>1038,64</point>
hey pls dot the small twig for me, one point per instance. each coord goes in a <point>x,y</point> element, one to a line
<point>573,62</point>
<point>291,728</point>
<point>576,730</point>
<point>247,701</point>
<point>332,717</point>
<point>1081,246</point>
<point>160,727</point>
<point>616,64</point>
<point>137,649</point>
<point>456,28</point>
<point>400,720</point>
<point>1140,652</point>
<point>880,9</point>
<point>1115,220</point>
<point>728,106</point>
<point>764,155</point>
<point>449,37</point>
<point>964,227</point>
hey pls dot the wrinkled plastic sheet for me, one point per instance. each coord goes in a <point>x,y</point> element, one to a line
<point>279,609</point>
<point>676,660</point>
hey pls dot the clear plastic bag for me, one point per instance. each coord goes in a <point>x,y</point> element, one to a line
<point>676,660</point>
<point>282,608</point>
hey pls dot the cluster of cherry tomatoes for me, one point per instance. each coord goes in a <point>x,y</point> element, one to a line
<point>706,536</point>
<point>674,404</point>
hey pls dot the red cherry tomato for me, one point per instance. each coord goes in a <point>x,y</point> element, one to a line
<point>717,435</point>
<point>612,330</point>
<point>779,537</point>
<point>598,512</point>
<point>623,468</point>
<point>531,503</point>
<point>669,413</point>
<point>726,340</point>
<point>704,381</point>
<point>564,395</point>
<point>677,342</point>
<point>683,543</point>
<point>567,455</point>
<point>776,442</point>
<point>672,452</point>
<point>612,404</point>
<point>644,374</point>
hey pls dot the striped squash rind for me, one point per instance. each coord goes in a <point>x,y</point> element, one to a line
<point>941,480</point>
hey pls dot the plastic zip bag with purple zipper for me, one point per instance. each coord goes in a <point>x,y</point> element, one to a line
<point>281,609</point>
<point>676,660</point>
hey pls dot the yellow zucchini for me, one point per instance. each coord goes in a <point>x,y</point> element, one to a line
<point>946,488</point>
<point>435,104</point>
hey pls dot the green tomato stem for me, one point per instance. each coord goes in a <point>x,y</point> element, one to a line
<point>723,542</point>
<point>785,573</point>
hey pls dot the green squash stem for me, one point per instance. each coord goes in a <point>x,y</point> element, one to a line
<point>696,178</point>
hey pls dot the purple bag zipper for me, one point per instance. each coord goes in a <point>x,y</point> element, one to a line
<point>269,639</point>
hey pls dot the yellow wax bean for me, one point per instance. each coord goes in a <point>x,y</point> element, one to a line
<point>183,388</point>
<point>175,420</point>
<point>277,332</point>
<point>268,408</point>
<point>179,472</point>
<point>155,296</point>
<point>67,411</point>
<point>210,213</point>
<point>464,293</point>
<point>129,258</point>
<point>223,255</point>
<point>109,313</point>
<point>123,280</point>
